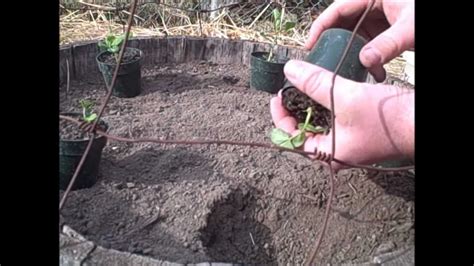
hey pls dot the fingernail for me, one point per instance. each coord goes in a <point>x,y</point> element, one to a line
<point>372,56</point>
<point>280,93</point>
<point>292,68</point>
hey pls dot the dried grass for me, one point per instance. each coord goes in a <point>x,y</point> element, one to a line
<point>158,20</point>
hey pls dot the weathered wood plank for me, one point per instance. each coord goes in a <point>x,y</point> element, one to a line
<point>248,47</point>
<point>175,49</point>
<point>225,51</point>
<point>194,49</point>
<point>154,49</point>
<point>65,54</point>
<point>85,65</point>
<point>295,53</point>
<point>212,44</point>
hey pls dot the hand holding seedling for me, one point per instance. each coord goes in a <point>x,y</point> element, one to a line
<point>285,140</point>
<point>374,123</point>
<point>390,27</point>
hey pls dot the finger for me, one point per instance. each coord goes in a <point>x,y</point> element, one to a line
<point>281,118</point>
<point>316,82</point>
<point>378,72</point>
<point>388,45</point>
<point>332,17</point>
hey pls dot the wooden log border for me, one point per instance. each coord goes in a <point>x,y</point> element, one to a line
<point>162,50</point>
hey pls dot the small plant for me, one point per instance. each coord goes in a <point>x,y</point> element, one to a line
<point>87,111</point>
<point>283,139</point>
<point>128,83</point>
<point>279,26</point>
<point>112,43</point>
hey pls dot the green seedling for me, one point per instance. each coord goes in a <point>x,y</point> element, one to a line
<point>279,26</point>
<point>285,140</point>
<point>112,43</point>
<point>87,112</point>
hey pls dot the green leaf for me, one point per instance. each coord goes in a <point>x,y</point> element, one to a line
<point>287,144</point>
<point>90,118</point>
<point>276,14</point>
<point>298,140</point>
<point>114,49</point>
<point>118,41</point>
<point>310,128</point>
<point>276,19</point>
<point>110,39</point>
<point>289,25</point>
<point>279,136</point>
<point>87,110</point>
<point>102,44</point>
<point>86,104</point>
<point>276,26</point>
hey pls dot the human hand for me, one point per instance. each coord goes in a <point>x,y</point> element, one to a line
<point>389,27</point>
<point>374,122</point>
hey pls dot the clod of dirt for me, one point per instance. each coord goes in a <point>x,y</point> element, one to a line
<point>296,103</point>
<point>230,79</point>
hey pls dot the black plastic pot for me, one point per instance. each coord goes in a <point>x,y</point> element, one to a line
<point>329,49</point>
<point>128,83</point>
<point>70,153</point>
<point>265,75</point>
<point>326,53</point>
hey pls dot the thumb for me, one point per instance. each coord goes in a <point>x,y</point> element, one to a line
<point>388,45</point>
<point>316,82</point>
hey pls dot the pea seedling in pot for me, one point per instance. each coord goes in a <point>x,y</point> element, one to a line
<point>87,112</point>
<point>279,26</point>
<point>112,43</point>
